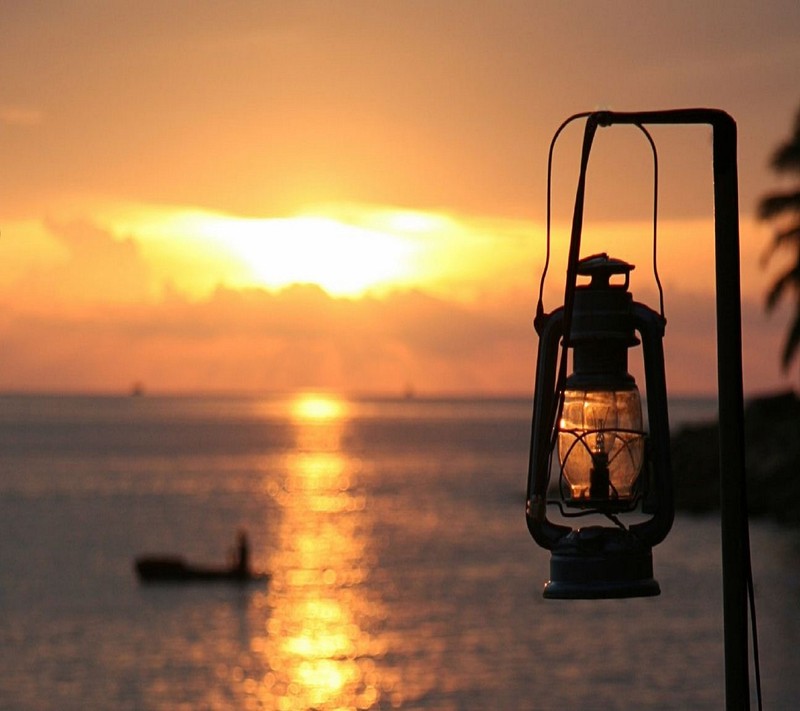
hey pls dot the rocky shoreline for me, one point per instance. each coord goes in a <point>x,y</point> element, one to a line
<point>772,461</point>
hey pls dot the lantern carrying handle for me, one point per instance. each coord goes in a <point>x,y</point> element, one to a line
<point>593,121</point>
<point>553,141</point>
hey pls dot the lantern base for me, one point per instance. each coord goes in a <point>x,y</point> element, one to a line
<point>600,563</point>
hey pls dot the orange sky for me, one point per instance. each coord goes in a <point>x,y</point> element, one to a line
<point>266,196</point>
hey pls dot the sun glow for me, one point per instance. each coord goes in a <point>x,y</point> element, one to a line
<point>316,407</point>
<point>348,250</point>
<point>344,259</point>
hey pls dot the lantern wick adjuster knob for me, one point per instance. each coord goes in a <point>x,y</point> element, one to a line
<point>601,267</point>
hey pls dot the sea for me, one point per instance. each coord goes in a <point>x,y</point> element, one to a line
<point>402,574</point>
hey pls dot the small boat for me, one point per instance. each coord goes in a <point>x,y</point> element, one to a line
<point>174,569</point>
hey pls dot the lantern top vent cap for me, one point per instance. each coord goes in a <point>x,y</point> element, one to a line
<point>600,268</point>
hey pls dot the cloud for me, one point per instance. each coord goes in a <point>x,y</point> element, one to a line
<point>691,349</point>
<point>95,315</point>
<point>85,265</point>
<point>256,340</point>
<point>302,338</point>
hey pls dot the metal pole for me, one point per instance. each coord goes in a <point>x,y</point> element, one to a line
<point>733,501</point>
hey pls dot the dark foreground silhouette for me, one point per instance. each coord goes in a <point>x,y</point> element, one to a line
<point>174,569</point>
<point>772,461</point>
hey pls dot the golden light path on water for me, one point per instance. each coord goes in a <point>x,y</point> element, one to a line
<point>319,650</point>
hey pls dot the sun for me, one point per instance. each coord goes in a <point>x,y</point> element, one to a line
<point>341,258</point>
<point>199,250</point>
<point>349,250</point>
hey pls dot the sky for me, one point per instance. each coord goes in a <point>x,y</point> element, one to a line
<point>260,196</point>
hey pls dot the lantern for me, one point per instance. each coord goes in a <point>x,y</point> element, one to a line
<point>594,413</point>
<point>589,428</point>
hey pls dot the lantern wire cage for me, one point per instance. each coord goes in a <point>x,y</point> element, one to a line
<point>620,504</point>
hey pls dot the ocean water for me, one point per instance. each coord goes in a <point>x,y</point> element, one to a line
<point>403,575</point>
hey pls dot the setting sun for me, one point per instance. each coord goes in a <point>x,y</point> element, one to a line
<point>348,250</point>
<point>345,260</point>
<point>342,258</point>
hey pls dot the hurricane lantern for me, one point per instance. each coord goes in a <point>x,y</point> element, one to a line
<point>589,427</point>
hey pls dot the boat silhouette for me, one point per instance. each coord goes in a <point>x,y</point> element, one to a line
<point>174,569</point>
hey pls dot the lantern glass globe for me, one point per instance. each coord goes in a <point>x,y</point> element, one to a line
<point>601,446</point>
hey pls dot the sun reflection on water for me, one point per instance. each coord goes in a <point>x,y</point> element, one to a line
<point>321,646</point>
